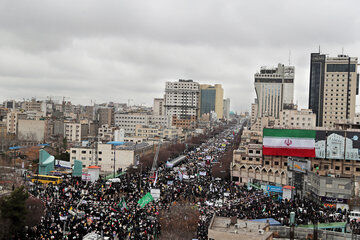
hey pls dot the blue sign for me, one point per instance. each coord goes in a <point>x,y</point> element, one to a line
<point>275,189</point>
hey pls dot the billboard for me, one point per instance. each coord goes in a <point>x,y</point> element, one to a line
<point>276,189</point>
<point>320,144</point>
<point>326,144</point>
<point>337,145</point>
<point>335,142</point>
<point>298,165</point>
<point>352,146</point>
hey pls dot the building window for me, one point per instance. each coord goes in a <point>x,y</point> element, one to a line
<point>337,168</point>
<point>83,152</point>
<point>347,169</point>
<point>73,151</point>
<point>100,159</point>
<point>276,163</point>
<point>267,162</point>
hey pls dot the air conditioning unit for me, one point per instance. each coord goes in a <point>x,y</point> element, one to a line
<point>261,231</point>
<point>237,225</point>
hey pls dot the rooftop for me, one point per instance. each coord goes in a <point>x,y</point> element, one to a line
<point>233,229</point>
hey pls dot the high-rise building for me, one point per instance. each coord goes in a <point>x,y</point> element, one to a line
<point>211,99</point>
<point>226,108</point>
<point>159,106</point>
<point>182,99</point>
<point>334,85</point>
<point>316,90</point>
<point>105,115</point>
<point>274,90</point>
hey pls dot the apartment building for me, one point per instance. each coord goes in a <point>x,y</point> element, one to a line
<point>182,99</point>
<point>293,118</point>
<point>226,108</point>
<point>34,105</point>
<point>72,131</point>
<point>110,157</point>
<point>153,131</point>
<point>12,121</point>
<point>106,133</point>
<point>159,106</point>
<point>129,121</point>
<point>333,88</point>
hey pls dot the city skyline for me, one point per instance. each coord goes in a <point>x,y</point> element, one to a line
<point>116,51</point>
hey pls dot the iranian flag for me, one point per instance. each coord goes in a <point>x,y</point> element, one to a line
<point>289,142</point>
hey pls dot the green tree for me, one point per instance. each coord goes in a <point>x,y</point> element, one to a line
<point>65,143</point>
<point>13,212</point>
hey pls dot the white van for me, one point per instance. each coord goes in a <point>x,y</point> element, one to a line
<point>354,215</point>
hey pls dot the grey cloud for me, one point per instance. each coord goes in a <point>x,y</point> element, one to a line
<point>116,50</point>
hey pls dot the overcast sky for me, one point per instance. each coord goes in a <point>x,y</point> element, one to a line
<point>118,50</point>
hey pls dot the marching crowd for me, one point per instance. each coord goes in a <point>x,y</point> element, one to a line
<point>75,208</point>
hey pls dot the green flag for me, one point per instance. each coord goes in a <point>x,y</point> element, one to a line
<point>145,200</point>
<point>122,204</point>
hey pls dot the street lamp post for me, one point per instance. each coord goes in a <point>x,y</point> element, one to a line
<point>114,159</point>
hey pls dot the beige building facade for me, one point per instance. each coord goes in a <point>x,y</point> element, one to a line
<point>159,106</point>
<point>211,99</point>
<point>292,118</point>
<point>72,131</point>
<point>32,130</point>
<point>339,90</point>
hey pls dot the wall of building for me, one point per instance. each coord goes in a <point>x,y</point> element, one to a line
<point>32,130</point>
<point>274,88</point>
<point>304,119</point>
<point>72,132</point>
<point>159,106</point>
<point>123,158</point>
<point>182,98</point>
<point>249,173</point>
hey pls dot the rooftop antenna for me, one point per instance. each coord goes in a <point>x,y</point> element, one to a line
<point>342,51</point>
<point>319,49</point>
<point>289,57</point>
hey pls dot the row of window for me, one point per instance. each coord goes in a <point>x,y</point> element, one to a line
<point>252,151</point>
<point>326,167</point>
<point>332,75</point>
<point>84,152</point>
<point>309,119</point>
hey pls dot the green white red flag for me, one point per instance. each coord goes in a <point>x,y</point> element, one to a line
<point>289,142</point>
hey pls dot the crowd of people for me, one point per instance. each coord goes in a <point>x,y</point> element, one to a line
<point>75,208</point>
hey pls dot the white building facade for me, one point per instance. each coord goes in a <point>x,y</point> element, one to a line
<point>129,121</point>
<point>226,108</point>
<point>105,155</point>
<point>182,98</point>
<point>274,89</point>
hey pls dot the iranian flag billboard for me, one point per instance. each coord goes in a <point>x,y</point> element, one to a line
<point>289,142</point>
